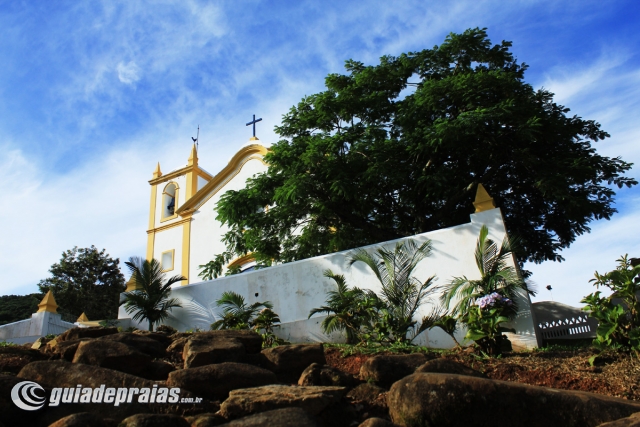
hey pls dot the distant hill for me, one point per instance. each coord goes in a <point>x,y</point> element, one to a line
<point>18,307</point>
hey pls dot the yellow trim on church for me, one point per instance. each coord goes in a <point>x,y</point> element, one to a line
<point>186,246</point>
<point>484,201</point>
<point>232,169</point>
<point>240,261</point>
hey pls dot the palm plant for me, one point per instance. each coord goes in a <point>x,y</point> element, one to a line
<point>344,307</point>
<point>150,300</point>
<point>496,276</point>
<point>236,314</point>
<point>402,293</point>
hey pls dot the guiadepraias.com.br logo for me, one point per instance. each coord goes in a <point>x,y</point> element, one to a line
<point>31,396</point>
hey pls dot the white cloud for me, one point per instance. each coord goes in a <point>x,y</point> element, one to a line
<point>128,73</point>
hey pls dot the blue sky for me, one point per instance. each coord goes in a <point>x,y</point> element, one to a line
<point>93,94</point>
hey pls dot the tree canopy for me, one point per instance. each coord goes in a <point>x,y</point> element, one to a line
<point>86,280</point>
<point>398,148</point>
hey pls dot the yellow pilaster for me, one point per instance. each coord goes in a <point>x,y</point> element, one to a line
<point>48,303</point>
<point>131,284</point>
<point>152,213</point>
<point>192,175</point>
<point>483,201</point>
<point>186,244</point>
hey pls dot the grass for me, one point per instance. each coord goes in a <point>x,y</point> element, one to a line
<point>7,344</point>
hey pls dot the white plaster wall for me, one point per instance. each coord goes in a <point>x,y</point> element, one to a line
<point>296,288</point>
<point>206,231</point>
<point>201,182</point>
<point>170,239</point>
<point>182,185</point>
<point>29,330</point>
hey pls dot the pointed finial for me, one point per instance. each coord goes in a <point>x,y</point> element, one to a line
<point>131,284</point>
<point>48,303</point>
<point>83,318</point>
<point>157,173</point>
<point>193,157</point>
<point>484,201</point>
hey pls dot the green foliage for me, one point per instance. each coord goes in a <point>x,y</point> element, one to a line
<point>264,323</point>
<point>495,276</point>
<point>7,344</point>
<point>236,314</point>
<point>213,269</point>
<point>109,323</point>
<point>618,314</point>
<point>151,298</point>
<point>368,318</point>
<point>484,327</point>
<point>85,280</point>
<point>399,148</point>
<point>14,308</point>
<point>348,310</point>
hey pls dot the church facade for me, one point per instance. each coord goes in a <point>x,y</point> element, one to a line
<point>183,232</point>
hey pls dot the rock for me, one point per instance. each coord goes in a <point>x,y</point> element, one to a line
<point>437,400</point>
<point>157,370</point>
<point>317,374</point>
<point>369,400</point>
<point>631,421</point>
<point>142,343</point>
<point>444,366</point>
<point>205,350</point>
<point>77,333</point>
<point>65,349</point>
<point>177,345</point>
<point>14,358</point>
<point>252,341</point>
<point>287,417</point>
<point>84,419</point>
<point>10,414</point>
<point>206,420</point>
<point>161,337</point>
<point>112,355</point>
<point>249,401</point>
<point>40,343</point>
<point>289,361</point>
<point>154,420</point>
<point>62,374</point>
<point>385,370</point>
<point>376,422</point>
<point>216,381</point>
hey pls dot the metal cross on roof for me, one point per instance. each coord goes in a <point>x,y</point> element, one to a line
<point>253,122</point>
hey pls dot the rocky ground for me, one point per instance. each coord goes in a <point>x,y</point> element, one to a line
<point>230,380</point>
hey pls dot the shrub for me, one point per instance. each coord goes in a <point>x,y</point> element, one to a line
<point>167,329</point>
<point>618,314</point>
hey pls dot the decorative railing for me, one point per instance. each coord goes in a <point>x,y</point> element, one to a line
<point>557,321</point>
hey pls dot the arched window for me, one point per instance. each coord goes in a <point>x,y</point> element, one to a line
<point>169,201</point>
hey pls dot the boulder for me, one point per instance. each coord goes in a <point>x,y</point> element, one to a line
<point>177,345</point>
<point>631,421</point>
<point>204,350</point>
<point>437,399</point>
<point>14,358</point>
<point>61,374</point>
<point>376,422</point>
<point>369,400</point>
<point>154,420</point>
<point>112,355</point>
<point>65,350</point>
<point>287,417</point>
<point>216,381</point>
<point>157,370</point>
<point>445,366</point>
<point>93,332</point>
<point>84,419</point>
<point>289,361</point>
<point>10,414</point>
<point>251,340</point>
<point>206,420</point>
<point>317,374</point>
<point>249,401</point>
<point>385,370</point>
<point>162,337</point>
<point>142,343</point>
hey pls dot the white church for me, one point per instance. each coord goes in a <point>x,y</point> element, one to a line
<point>183,233</point>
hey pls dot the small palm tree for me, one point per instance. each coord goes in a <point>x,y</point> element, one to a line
<point>495,276</point>
<point>236,314</point>
<point>344,308</point>
<point>401,293</point>
<point>150,300</point>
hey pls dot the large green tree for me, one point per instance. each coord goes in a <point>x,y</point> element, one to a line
<point>399,148</point>
<point>86,280</point>
<point>18,307</point>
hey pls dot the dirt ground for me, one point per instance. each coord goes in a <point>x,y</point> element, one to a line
<point>612,374</point>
